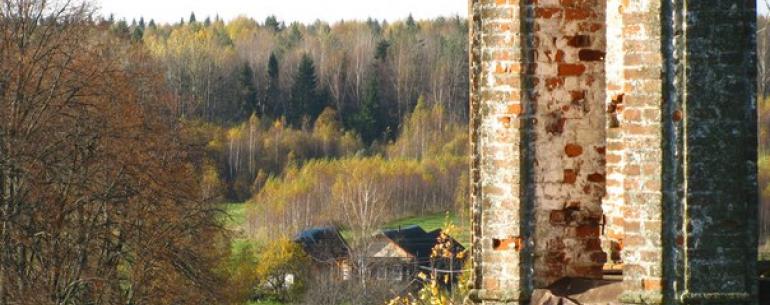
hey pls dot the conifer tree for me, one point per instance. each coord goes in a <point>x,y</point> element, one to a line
<point>247,90</point>
<point>271,22</point>
<point>272,100</point>
<point>137,34</point>
<point>381,53</point>
<point>410,23</point>
<point>305,100</point>
<point>121,29</point>
<point>369,118</point>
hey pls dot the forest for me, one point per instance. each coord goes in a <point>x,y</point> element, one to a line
<point>233,83</point>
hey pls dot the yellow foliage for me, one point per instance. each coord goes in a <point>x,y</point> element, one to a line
<point>429,134</point>
<point>277,260</point>
<point>240,27</point>
<point>211,185</point>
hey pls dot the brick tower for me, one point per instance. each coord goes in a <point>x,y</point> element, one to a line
<point>614,131</point>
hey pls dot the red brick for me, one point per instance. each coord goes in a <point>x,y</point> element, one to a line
<point>559,217</point>
<point>577,14</point>
<point>573,150</point>
<point>593,244</point>
<point>554,82</point>
<point>579,41</point>
<point>591,55</point>
<point>632,29</point>
<point>570,176</point>
<point>514,109</point>
<point>596,178</point>
<point>547,12</point>
<point>578,95</point>
<point>579,3</point>
<point>513,243</point>
<point>591,27</point>
<point>615,146</point>
<point>585,231</point>
<point>632,115</point>
<point>633,170</point>
<point>652,284</point>
<point>506,121</point>
<point>642,130</point>
<point>560,56</point>
<point>571,69</point>
<point>614,159</point>
<point>601,150</point>
<point>633,241</point>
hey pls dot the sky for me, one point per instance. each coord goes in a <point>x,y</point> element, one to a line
<point>762,7</point>
<point>286,10</point>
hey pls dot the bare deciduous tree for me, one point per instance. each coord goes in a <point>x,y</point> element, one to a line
<point>98,202</point>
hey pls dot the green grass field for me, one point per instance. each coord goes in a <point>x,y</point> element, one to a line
<point>235,221</point>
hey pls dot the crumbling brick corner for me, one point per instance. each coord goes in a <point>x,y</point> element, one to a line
<point>617,131</point>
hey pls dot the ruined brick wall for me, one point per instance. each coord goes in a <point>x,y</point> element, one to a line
<point>566,95</point>
<point>643,135</point>
<point>719,143</point>
<point>664,125</point>
<point>612,204</point>
<point>501,267</point>
<point>689,127</point>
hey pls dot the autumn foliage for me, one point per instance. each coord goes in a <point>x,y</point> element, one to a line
<point>99,202</point>
<point>417,174</point>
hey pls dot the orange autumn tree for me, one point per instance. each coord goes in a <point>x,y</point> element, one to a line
<point>99,203</point>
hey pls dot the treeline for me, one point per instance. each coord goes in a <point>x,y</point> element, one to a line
<point>370,72</point>
<point>422,172</point>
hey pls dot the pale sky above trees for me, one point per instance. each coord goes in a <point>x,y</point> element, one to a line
<point>287,10</point>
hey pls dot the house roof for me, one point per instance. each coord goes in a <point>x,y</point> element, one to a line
<point>414,240</point>
<point>324,244</point>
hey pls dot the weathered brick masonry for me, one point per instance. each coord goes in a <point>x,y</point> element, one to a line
<point>614,130</point>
